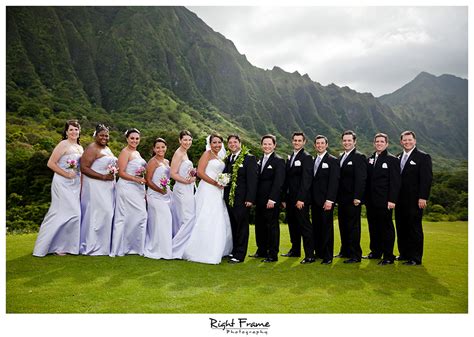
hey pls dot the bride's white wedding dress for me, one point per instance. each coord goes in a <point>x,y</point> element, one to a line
<point>211,238</point>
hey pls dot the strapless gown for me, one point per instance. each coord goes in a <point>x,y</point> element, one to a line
<point>183,210</point>
<point>129,228</point>
<point>159,236</point>
<point>97,205</point>
<point>211,238</point>
<point>60,230</point>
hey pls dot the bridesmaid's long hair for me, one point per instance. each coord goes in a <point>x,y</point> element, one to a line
<point>74,123</point>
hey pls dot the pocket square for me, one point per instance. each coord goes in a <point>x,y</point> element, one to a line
<point>297,163</point>
<point>324,165</point>
<point>269,167</point>
<point>384,165</point>
<point>349,163</point>
<point>412,162</point>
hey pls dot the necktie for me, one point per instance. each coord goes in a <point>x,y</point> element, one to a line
<point>404,160</point>
<point>232,158</point>
<point>316,164</point>
<point>292,159</point>
<point>375,159</point>
<point>264,161</point>
<point>343,158</point>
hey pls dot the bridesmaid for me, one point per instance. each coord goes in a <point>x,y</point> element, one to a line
<point>159,228</point>
<point>128,232</point>
<point>59,233</point>
<point>98,194</point>
<point>183,194</point>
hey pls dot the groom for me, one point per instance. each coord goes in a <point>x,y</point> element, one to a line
<point>244,177</point>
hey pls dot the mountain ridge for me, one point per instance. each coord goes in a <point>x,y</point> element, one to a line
<point>148,63</point>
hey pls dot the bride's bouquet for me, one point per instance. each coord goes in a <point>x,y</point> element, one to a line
<point>223,179</point>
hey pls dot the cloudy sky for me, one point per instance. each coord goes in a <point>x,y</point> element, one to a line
<point>370,49</point>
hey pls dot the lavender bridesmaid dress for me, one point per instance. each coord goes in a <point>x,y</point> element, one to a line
<point>128,231</point>
<point>97,205</point>
<point>60,230</point>
<point>159,227</point>
<point>183,210</point>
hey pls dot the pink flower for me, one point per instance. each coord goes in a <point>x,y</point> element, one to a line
<point>71,164</point>
<point>140,172</point>
<point>164,182</point>
<point>112,169</point>
<point>192,172</point>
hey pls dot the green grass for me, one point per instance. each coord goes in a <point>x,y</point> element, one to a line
<point>83,284</point>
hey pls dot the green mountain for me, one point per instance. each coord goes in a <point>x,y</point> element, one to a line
<point>163,69</point>
<point>436,107</point>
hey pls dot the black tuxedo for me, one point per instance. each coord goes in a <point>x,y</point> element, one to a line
<point>297,187</point>
<point>239,214</point>
<point>352,180</point>
<point>324,187</point>
<point>416,179</point>
<point>383,185</point>
<point>270,187</point>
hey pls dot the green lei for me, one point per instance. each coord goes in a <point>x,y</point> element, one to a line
<point>240,159</point>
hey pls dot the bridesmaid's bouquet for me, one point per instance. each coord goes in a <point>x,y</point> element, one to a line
<point>112,169</point>
<point>71,164</point>
<point>192,172</point>
<point>165,182</point>
<point>140,172</point>
<point>223,179</point>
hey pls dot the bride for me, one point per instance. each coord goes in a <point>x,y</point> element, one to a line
<point>211,238</point>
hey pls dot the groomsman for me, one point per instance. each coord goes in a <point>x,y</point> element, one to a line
<point>383,185</point>
<point>244,197</point>
<point>324,193</point>
<point>349,197</point>
<point>270,182</point>
<point>299,172</point>
<point>417,176</point>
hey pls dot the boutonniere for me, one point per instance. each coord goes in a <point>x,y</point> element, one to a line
<point>259,162</point>
<point>289,157</point>
<point>241,165</point>
<point>384,165</point>
<point>412,162</point>
<point>371,161</point>
<point>269,167</point>
<point>349,163</point>
<point>324,165</point>
<point>297,163</point>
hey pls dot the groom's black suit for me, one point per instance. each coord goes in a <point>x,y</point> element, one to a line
<point>267,227</point>
<point>245,191</point>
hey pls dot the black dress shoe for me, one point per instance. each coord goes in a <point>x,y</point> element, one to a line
<point>326,261</point>
<point>234,260</point>
<point>308,260</point>
<point>385,262</point>
<point>411,263</point>
<point>339,255</point>
<point>270,259</point>
<point>291,254</point>
<point>372,256</point>
<point>400,258</point>
<point>227,256</point>
<point>256,255</point>
<point>352,261</point>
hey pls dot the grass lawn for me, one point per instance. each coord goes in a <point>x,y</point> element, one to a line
<point>84,284</point>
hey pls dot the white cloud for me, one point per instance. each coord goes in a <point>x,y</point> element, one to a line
<point>375,49</point>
